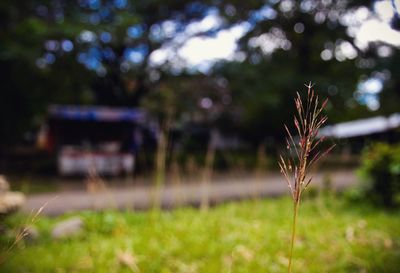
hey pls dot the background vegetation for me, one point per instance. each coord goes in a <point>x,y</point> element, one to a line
<point>100,52</point>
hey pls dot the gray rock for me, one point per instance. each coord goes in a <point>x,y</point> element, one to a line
<point>11,201</point>
<point>67,228</point>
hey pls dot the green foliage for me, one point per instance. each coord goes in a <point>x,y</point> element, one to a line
<point>254,90</point>
<point>250,236</point>
<point>381,168</point>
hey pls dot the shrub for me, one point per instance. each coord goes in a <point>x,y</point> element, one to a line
<point>380,167</point>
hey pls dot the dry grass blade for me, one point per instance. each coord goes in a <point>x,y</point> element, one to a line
<point>129,260</point>
<point>23,232</point>
<point>304,154</point>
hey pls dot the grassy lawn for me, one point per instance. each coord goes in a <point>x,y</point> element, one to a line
<point>252,236</point>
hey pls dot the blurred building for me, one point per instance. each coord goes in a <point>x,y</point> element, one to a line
<point>93,138</point>
<point>362,127</point>
<point>358,133</point>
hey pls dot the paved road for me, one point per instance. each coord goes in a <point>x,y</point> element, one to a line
<point>142,197</point>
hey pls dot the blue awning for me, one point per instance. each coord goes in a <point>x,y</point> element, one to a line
<point>96,113</point>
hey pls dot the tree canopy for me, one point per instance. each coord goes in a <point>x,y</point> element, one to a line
<point>120,52</point>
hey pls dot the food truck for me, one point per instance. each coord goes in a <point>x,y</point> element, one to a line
<point>94,138</point>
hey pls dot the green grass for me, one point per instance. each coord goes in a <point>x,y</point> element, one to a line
<point>252,236</point>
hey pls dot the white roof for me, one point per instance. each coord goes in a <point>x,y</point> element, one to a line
<point>361,127</point>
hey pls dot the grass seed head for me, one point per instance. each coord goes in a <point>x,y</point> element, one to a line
<point>306,151</point>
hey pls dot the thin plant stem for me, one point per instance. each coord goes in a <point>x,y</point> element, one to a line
<point>295,212</point>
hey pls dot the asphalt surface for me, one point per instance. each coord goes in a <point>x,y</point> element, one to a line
<point>142,197</point>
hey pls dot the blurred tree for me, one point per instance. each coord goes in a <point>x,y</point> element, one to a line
<point>78,52</point>
<point>386,70</point>
<point>26,89</point>
<point>115,52</point>
<point>290,42</point>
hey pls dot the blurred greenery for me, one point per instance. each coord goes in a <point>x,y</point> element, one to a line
<point>44,59</point>
<point>29,185</point>
<point>252,236</point>
<point>380,167</point>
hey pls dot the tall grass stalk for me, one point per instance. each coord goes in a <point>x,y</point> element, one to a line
<point>176,178</point>
<point>260,170</point>
<point>95,184</point>
<point>161,156</point>
<point>208,171</point>
<point>304,150</point>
